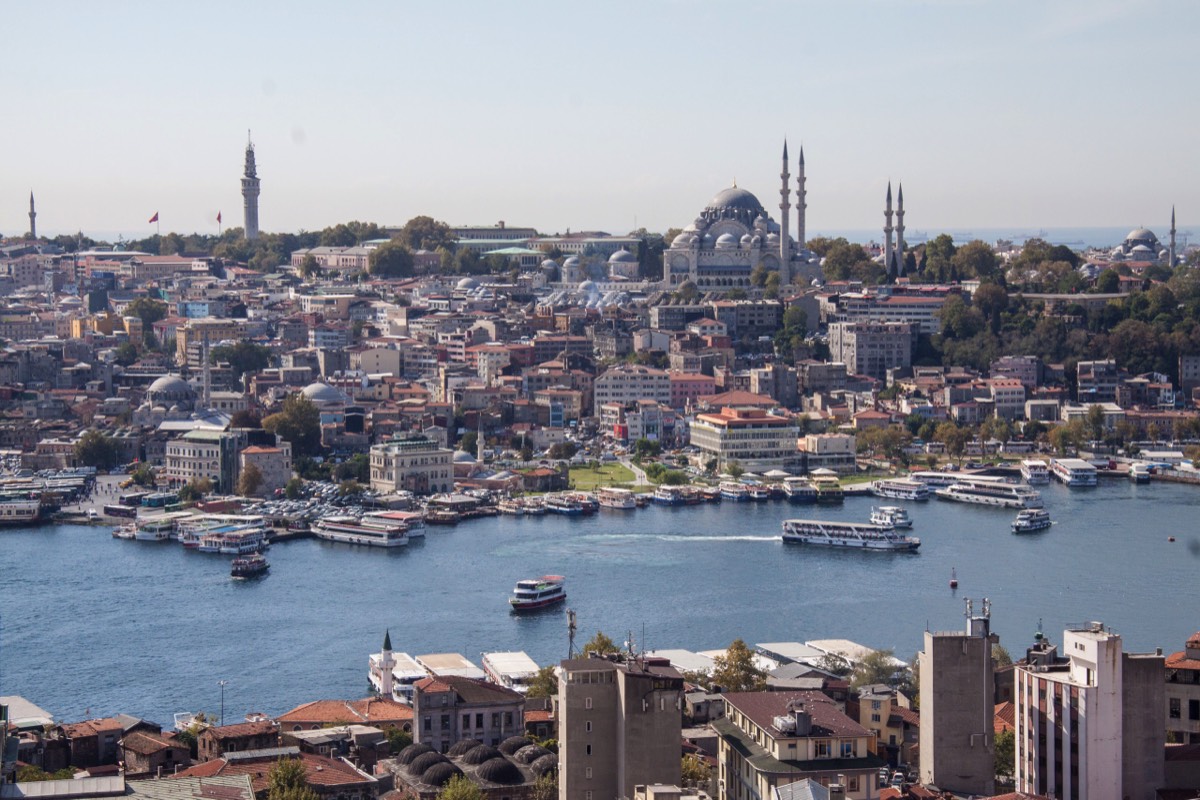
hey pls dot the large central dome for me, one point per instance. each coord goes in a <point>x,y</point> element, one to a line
<point>733,197</point>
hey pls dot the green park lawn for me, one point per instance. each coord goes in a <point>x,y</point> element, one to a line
<point>586,479</point>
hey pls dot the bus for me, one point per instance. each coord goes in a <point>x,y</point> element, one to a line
<point>159,499</point>
<point>128,512</point>
<point>132,498</point>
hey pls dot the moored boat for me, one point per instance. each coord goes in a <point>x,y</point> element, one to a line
<point>563,504</point>
<point>512,507</point>
<point>891,515</point>
<point>1031,519</point>
<point>1073,472</point>
<point>442,516</point>
<point>758,492</point>
<point>1139,472</point>
<point>364,530</point>
<point>991,493</point>
<point>20,511</point>
<point>732,490</point>
<point>1035,472</point>
<point>799,491</point>
<point>534,593</point>
<point>250,566</point>
<point>829,490</point>
<point>612,497</point>
<point>855,535</point>
<point>900,489</point>
<point>668,496</point>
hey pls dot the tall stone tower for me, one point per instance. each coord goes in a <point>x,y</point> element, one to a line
<point>899,255</point>
<point>1170,263</point>
<point>33,223</point>
<point>801,204</point>
<point>386,664</point>
<point>887,230</point>
<point>250,192</point>
<point>785,209</point>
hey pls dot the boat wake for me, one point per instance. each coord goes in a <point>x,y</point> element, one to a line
<point>666,537</point>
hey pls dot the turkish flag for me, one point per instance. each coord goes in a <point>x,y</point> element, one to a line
<point>155,217</point>
<point>218,216</point>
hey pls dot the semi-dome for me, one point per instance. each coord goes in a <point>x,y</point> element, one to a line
<point>514,743</point>
<point>622,256</point>
<point>467,284</point>
<point>500,770</point>
<point>727,240</point>
<point>549,263</point>
<point>463,457</point>
<point>322,394</point>
<point>170,385</point>
<point>587,287</point>
<point>735,198</point>
<point>440,774</point>
<point>412,751</point>
<point>478,755</point>
<point>682,240</point>
<point>571,261</point>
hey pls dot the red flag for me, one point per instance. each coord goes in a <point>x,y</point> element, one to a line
<point>155,217</point>
<point>218,216</point>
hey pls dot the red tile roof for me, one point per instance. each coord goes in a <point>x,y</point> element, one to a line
<point>319,771</point>
<point>146,743</point>
<point>368,711</point>
<point>1180,660</point>
<point>91,727</point>
<point>261,728</point>
<point>1005,719</point>
<point>827,719</point>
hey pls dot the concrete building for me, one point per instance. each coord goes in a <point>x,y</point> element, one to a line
<point>629,383</point>
<point>1090,724</point>
<point>1183,693</point>
<point>835,451</point>
<point>273,463</point>
<point>956,706</point>
<point>1097,381</point>
<point>756,440</point>
<point>619,726</point>
<point>448,708</point>
<point>415,464</point>
<point>871,348</point>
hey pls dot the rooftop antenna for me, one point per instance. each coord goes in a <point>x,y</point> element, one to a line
<point>571,633</point>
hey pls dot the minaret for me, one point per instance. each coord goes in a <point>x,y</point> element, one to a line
<point>386,665</point>
<point>206,391</point>
<point>33,218</point>
<point>1170,264</point>
<point>900,231</point>
<point>887,230</point>
<point>479,441</point>
<point>801,204</point>
<point>250,192</point>
<point>785,210</point>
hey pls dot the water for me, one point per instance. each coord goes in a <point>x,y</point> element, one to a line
<point>94,625</point>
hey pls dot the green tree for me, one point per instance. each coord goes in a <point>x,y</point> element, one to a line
<point>194,489</point>
<point>143,475</point>
<point>1108,282</point>
<point>149,311</point>
<point>126,354</point>
<point>1000,656</point>
<point>1095,422</point>
<point>939,253</point>
<point>992,301</point>
<point>544,683</point>
<point>427,233</point>
<point>875,667</point>
<point>735,670</point>
<point>242,357</point>
<point>842,259</point>
<point>309,268</point>
<point>293,488</point>
<point>460,787</point>
<point>299,423</point>
<point>398,739</point>
<point>694,773</point>
<point>28,773</point>
<point>246,418</point>
<point>601,644</point>
<point>545,787</point>
<point>975,260</point>
<point>468,442</point>
<point>774,281</point>
<point>735,470</point>
<point>250,481</point>
<point>96,449</point>
<point>1005,750</point>
<point>645,448</point>
<point>953,437</point>
<point>356,468</point>
<point>391,260</point>
<point>758,276</point>
<point>288,780</point>
<point>563,450</point>
<point>687,292</point>
<point>834,664</point>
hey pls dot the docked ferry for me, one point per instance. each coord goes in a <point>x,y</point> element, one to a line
<point>250,566</point>
<point>991,493</point>
<point>1073,471</point>
<point>732,490</point>
<point>668,496</point>
<point>20,511</point>
<point>829,490</point>
<point>365,530</point>
<point>563,504</point>
<point>1030,520</point>
<point>1139,472</point>
<point>1035,472</point>
<point>535,593</point>
<point>935,478</point>
<point>900,489</point>
<point>855,535</point>
<point>799,491</point>
<point>512,507</point>
<point>895,516</point>
<point>611,497</point>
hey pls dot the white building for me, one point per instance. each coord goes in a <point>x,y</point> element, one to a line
<point>415,465</point>
<point>627,383</point>
<point>756,440</point>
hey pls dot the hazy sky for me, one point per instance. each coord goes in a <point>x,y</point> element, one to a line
<point>596,115</point>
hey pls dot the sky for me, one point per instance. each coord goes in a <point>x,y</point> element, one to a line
<point>598,115</point>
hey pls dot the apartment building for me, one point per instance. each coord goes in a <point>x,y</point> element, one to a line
<point>448,708</point>
<point>756,440</point>
<point>626,383</point>
<point>871,348</point>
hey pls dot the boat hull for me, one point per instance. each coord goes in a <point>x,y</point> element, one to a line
<point>519,607</point>
<point>852,544</point>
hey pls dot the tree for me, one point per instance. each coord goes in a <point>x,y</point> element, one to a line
<point>758,276</point>
<point>694,773</point>
<point>1000,656</point>
<point>1109,282</point>
<point>939,253</point>
<point>774,281</point>
<point>953,437</point>
<point>28,773</point>
<point>563,450</point>
<point>143,475</point>
<point>246,418</point>
<point>96,449</point>
<point>735,670</point>
<point>194,489</point>
<point>287,780</point>
<point>147,310</point>
<point>875,667</point>
<point>391,260</point>
<point>398,739</point>
<point>735,470</point>
<point>427,233</point>
<point>242,357</point>
<point>126,354</point>
<point>357,468</point>
<point>250,481</point>
<point>460,787</point>
<point>309,267</point>
<point>645,448</point>
<point>1095,421</point>
<point>293,488</point>
<point>544,683</point>
<point>546,786</point>
<point>601,644</point>
<point>468,442</point>
<point>1004,747</point>
<point>992,301</point>
<point>834,664</point>
<point>299,423</point>
<point>687,292</point>
<point>975,260</point>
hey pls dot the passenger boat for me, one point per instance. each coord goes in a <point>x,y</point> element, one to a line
<point>855,535</point>
<point>799,491</point>
<point>365,530</point>
<point>125,531</point>
<point>1031,519</point>
<point>1073,471</point>
<point>250,566</point>
<point>1139,472</point>
<point>413,521</point>
<point>20,511</point>
<point>935,478</point>
<point>153,529</point>
<point>692,496</point>
<point>244,542</point>
<point>442,516</point>
<point>564,505</point>
<point>711,494</point>
<point>611,497</point>
<point>829,490</point>
<point>534,507</point>
<point>758,492</point>
<point>512,507</point>
<point>667,496</point>
<point>535,593</point>
<point>900,489</point>
<point>891,515</point>
<point>586,500</point>
<point>732,490</point>
<point>1035,472</point>
<point>991,493</point>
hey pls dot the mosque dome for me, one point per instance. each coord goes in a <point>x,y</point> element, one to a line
<point>571,261</point>
<point>440,774</point>
<point>514,743</point>
<point>622,256</point>
<point>682,240</point>
<point>747,239</point>
<point>500,770</point>
<point>549,263</point>
<point>462,747</point>
<point>726,240</point>
<point>736,199</point>
<point>545,764</point>
<point>1141,249</point>
<point>412,751</point>
<point>322,394</point>
<point>467,284</point>
<point>424,761</point>
<point>463,457</point>
<point>772,238</point>
<point>171,385</point>
<point>587,287</point>
<point>1141,235</point>
<point>478,755</point>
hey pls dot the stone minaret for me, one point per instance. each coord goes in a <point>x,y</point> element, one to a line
<point>33,219</point>
<point>1170,263</point>
<point>900,244</point>
<point>785,210</point>
<point>386,664</point>
<point>250,192</point>
<point>801,204</point>
<point>887,230</point>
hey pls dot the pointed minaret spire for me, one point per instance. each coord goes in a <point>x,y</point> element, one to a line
<point>1171,253</point>
<point>801,204</point>
<point>900,231</point>
<point>386,665</point>
<point>32,217</point>
<point>887,230</point>
<point>387,640</point>
<point>785,210</point>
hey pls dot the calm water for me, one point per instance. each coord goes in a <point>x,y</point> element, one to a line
<point>94,624</point>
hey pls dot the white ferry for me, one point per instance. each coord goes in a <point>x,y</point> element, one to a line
<point>413,521</point>
<point>935,478</point>
<point>153,529</point>
<point>512,670</point>
<point>19,511</point>
<point>406,671</point>
<point>732,490</point>
<point>758,492</point>
<point>1073,471</point>
<point>900,489</point>
<point>563,504</point>
<point>1035,472</point>
<point>799,491</point>
<point>535,593</point>
<point>991,493</point>
<point>611,497</point>
<point>857,535</point>
<point>895,516</point>
<point>365,530</point>
<point>1139,472</point>
<point>829,489</point>
<point>512,507</point>
<point>1031,519</point>
<point>668,496</point>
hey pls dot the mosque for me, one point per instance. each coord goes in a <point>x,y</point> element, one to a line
<point>734,234</point>
<point>1142,245</point>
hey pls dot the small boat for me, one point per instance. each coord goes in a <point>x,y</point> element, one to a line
<point>535,593</point>
<point>442,516</point>
<point>1031,519</point>
<point>953,579</point>
<point>891,515</point>
<point>711,494</point>
<point>1139,472</point>
<point>249,566</point>
<point>611,497</point>
<point>732,490</point>
<point>586,500</point>
<point>534,507</point>
<point>564,504</point>
<point>513,508</point>
<point>668,496</point>
<point>759,493</point>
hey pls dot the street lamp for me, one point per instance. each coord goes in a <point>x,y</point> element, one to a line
<point>222,685</point>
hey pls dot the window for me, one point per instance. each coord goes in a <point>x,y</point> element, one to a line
<point>823,749</point>
<point>852,784</point>
<point>587,726</point>
<point>445,721</point>
<point>587,702</point>
<point>588,749</point>
<point>874,718</point>
<point>495,719</point>
<point>428,724</point>
<point>1175,708</point>
<point>588,773</point>
<point>847,749</point>
<point>1193,709</point>
<point>479,720</point>
<point>466,721</point>
<point>508,719</point>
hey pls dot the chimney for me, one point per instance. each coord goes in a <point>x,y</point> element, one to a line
<point>837,791</point>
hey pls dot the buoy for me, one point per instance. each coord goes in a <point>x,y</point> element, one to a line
<point>953,579</point>
<point>1170,538</point>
